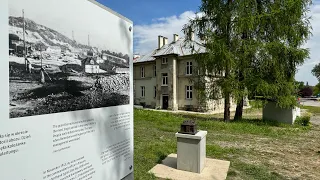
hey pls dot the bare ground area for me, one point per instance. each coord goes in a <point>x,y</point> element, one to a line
<point>255,149</point>
<point>64,91</point>
<point>291,158</point>
<point>295,156</point>
<point>315,119</point>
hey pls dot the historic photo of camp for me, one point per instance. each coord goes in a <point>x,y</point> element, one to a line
<point>66,56</point>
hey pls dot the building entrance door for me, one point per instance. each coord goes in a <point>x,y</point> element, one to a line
<point>165,102</point>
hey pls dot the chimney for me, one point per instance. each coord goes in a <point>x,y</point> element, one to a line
<point>165,40</point>
<point>160,42</point>
<point>175,37</point>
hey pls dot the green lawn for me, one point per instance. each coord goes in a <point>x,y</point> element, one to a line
<point>312,109</point>
<point>256,149</point>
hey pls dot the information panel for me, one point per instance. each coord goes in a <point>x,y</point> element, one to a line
<point>66,91</point>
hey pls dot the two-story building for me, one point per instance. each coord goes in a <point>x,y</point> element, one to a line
<point>162,78</point>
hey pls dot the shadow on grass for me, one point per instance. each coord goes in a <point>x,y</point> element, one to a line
<point>73,88</point>
<point>18,72</point>
<point>67,67</point>
<point>66,102</point>
<point>161,156</point>
<point>200,117</point>
<point>259,122</point>
<point>255,121</point>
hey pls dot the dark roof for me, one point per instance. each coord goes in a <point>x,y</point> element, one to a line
<point>88,61</point>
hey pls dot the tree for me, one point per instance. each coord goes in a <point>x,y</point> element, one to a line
<point>299,85</point>
<point>257,46</point>
<point>316,71</point>
<point>316,90</point>
<point>306,91</point>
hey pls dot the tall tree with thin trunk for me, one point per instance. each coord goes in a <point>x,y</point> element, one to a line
<point>253,47</point>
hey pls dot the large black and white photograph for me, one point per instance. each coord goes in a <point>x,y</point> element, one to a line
<point>66,57</point>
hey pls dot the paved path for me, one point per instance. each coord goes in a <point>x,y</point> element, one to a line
<point>310,103</point>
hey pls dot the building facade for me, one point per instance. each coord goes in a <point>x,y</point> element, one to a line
<point>162,78</point>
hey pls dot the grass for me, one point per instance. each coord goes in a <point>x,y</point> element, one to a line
<point>312,109</point>
<point>255,148</point>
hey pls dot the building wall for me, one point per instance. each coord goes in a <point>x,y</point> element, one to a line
<point>149,100</point>
<point>165,89</point>
<point>148,68</point>
<point>185,80</point>
<point>217,106</point>
<point>92,68</point>
<point>182,64</point>
<point>176,88</point>
<point>183,102</point>
<point>149,81</point>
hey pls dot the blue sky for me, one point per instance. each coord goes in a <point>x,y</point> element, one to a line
<point>166,17</point>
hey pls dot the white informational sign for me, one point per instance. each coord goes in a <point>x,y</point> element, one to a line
<point>66,91</point>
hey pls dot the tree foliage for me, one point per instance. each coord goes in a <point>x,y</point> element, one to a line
<point>306,91</point>
<point>316,71</point>
<point>299,85</point>
<point>255,43</point>
<point>316,90</point>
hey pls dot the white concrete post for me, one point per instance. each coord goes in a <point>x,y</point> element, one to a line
<point>191,151</point>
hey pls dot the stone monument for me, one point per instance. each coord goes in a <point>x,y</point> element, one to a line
<point>190,162</point>
<point>191,147</point>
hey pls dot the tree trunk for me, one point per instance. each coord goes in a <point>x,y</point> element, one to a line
<point>240,103</point>
<point>239,110</point>
<point>227,73</point>
<point>227,108</point>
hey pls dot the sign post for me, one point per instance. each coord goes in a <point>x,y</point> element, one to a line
<point>70,126</point>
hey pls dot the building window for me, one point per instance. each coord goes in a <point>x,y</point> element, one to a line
<point>189,68</point>
<point>155,70</point>
<point>165,79</point>
<point>155,91</point>
<point>164,60</point>
<point>188,92</point>
<point>142,72</point>
<point>143,91</point>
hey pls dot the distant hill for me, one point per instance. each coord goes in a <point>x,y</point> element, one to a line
<point>39,34</point>
<point>36,33</point>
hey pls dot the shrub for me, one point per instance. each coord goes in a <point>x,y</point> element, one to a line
<point>143,104</point>
<point>303,120</point>
<point>306,91</point>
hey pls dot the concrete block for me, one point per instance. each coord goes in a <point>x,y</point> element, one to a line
<point>213,170</point>
<point>138,107</point>
<point>191,151</point>
<point>298,111</point>
<point>272,112</point>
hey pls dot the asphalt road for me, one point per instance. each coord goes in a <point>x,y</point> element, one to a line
<point>307,102</point>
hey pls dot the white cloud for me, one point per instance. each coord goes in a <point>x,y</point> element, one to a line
<point>146,36</point>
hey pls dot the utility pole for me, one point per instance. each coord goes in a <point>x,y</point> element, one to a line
<point>88,40</point>
<point>72,35</point>
<point>24,41</point>
<point>24,32</point>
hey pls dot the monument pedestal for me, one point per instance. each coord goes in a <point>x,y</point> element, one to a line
<point>191,151</point>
